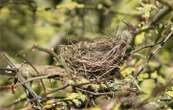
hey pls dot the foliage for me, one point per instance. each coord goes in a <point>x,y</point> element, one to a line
<point>126,41</point>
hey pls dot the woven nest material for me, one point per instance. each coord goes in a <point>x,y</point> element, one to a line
<point>94,59</point>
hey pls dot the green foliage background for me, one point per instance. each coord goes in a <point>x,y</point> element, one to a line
<point>50,23</point>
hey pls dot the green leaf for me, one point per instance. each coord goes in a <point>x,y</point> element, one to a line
<point>70,6</point>
<point>140,38</point>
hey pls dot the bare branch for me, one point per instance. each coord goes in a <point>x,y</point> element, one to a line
<point>34,68</point>
<point>49,51</point>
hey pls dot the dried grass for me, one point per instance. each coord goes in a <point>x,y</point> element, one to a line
<point>96,59</point>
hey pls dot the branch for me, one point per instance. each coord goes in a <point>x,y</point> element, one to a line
<point>28,71</point>
<point>157,17</point>
<point>153,21</point>
<point>161,44</point>
<point>38,73</point>
<point>7,71</point>
<point>94,93</point>
<point>49,51</point>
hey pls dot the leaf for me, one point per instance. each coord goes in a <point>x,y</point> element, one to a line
<point>147,86</point>
<point>77,98</point>
<point>95,108</point>
<point>170,93</point>
<point>154,75</point>
<point>143,76</point>
<point>117,107</point>
<point>146,9</point>
<point>70,6</point>
<point>127,71</point>
<point>74,96</point>
<point>140,38</point>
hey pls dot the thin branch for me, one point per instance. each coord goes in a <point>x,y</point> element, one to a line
<point>34,79</point>
<point>157,17</point>
<point>22,79</point>
<point>161,44</point>
<point>144,47</point>
<point>44,70</point>
<point>5,87</point>
<point>34,68</point>
<point>8,71</point>
<point>67,85</point>
<point>58,89</point>
<point>153,21</point>
<point>162,12</point>
<point>49,51</point>
<point>94,93</point>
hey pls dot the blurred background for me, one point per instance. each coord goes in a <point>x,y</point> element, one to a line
<point>51,23</point>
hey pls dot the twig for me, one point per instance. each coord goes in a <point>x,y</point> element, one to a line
<point>162,12</point>
<point>5,87</point>
<point>57,89</point>
<point>161,44</point>
<point>107,72</point>
<point>22,79</point>
<point>67,85</point>
<point>144,47</point>
<point>157,17</point>
<point>44,70</point>
<point>33,79</point>
<point>49,51</point>
<point>8,71</point>
<point>165,2</point>
<point>94,93</point>
<point>34,68</point>
<point>136,83</point>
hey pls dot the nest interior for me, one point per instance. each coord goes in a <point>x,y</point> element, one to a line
<point>96,59</point>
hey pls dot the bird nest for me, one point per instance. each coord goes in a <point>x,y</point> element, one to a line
<point>97,59</point>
